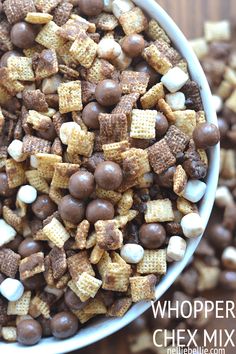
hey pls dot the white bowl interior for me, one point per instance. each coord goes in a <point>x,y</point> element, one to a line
<point>102,328</point>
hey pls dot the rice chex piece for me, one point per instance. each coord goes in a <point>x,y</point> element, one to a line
<point>160,210</point>
<point>100,70</point>
<point>143,287</point>
<point>185,206</point>
<point>156,59</point>
<point>113,127</point>
<point>81,235</point>
<point>168,51</point>
<point>46,164</point>
<point>65,55</point>
<point>40,307</point>
<point>21,68</point>
<point>88,285</point>
<point>78,264</point>
<point>56,195</point>
<point>133,21</point>
<point>112,196</point>
<point>81,143</point>
<point>16,10</point>
<point>155,31</point>
<point>4,318</point>
<point>37,181</point>
<point>56,233</point>
<point>160,156</point>
<point>116,277</point>
<point>9,262</point>
<point>29,266</point>
<point>113,151</point>
<point>70,97</point>
<point>179,181</point>
<point>73,27</point>
<point>185,121</point>
<point>45,63</point>
<point>35,101</point>
<point>154,261</point>
<point>95,306</point>
<point>166,110</point>
<point>9,334</point>
<point>84,50</point>
<point>38,18</point>
<point>62,13</point>
<point>119,307</point>
<point>151,97</point>
<point>11,85</point>
<point>134,82</point>
<point>103,263</point>
<point>109,237</point>
<point>125,203</point>
<point>82,316</point>
<point>106,22</point>
<point>58,262</point>
<point>13,219</point>
<point>62,174</point>
<point>46,5</point>
<point>49,37</point>
<point>96,254</point>
<point>21,306</point>
<point>176,139</point>
<point>5,38</point>
<point>143,124</point>
<point>126,104</point>
<point>33,145</point>
<point>15,173</point>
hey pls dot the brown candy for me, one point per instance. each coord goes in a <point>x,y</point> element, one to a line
<point>219,236</point>
<point>29,332</point>
<point>165,179</point>
<point>71,209</point>
<point>133,45</point>
<point>73,301</point>
<point>6,56</point>
<point>161,124</point>
<point>64,325</point>
<point>143,67</point>
<point>29,246</point>
<point>90,114</point>
<point>91,7</point>
<point>223,127</point>
<point>43,207</point>
<point>206,135</point>
<point>5,191</point>
<point>35,282</point>
<point>23,35</point>
<point>48,134</point>
<point>14,244</point>
<point>99,209</point>
<point>152,235</point>
<point>108,93</point>
<point>108,175</point>
<point>228,280</point>
<point>81,184</point>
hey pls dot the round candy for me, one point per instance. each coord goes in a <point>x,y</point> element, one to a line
<point>161,124</point>
<point>220,236</point>
<point>91,7</point>
<point>71,209</point>
<point>108,175</point>
<point>81,184</point>
<point>143,67</point>
<point>90,114</point>
<point>6,56</point>
<point>73,301</point>
<point>23,35</point>
<point>35,282</point>
<point>99,209</point>
<point>206,135</point>
<point>152,235</point>
<point>133,45</point>
<point>64,325</point>
<point>5,191</point>
<point>108,93</point>
<point>29,332</point>
<point>43,207</point>
<point>29,246</point>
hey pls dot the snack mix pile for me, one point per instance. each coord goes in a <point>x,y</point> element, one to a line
<point>102,157</point>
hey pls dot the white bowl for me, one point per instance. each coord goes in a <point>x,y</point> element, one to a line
<point>102,328</point>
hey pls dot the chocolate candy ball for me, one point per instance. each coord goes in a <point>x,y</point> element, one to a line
<point>108,175</point>
<point>108,93</point>
<point>5,191</point>
<point>48,134</point>
<point>228,280</point>
<point>133,45</point>
<point>73,301</point>
<point>15,243</point>
<point>29,332</point>
<point>6,56</point>
<point>23,35</point>
<point>35,282</point>
<point>165,179</point>
<point>90,114</point>
<point>220,237</point>
<point>223,127</point>
<point>43,207</point>
<point>91,7</point>
<point>161,124</point>
<point>81,184</point>
<point>71,209</point>
<point>152,235</point>
<point>206,135</point>
<point>29,246</point>
<point>99,209</point>
<point>64,325</point>
<point>143,67</point>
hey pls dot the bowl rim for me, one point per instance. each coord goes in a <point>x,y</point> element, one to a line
<point>102,328</point>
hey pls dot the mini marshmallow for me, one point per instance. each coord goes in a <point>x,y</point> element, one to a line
<point>33,161</point>
<point>122,62</point>
<point>120,7</point>
<point>176,248</point>
<point>200,47</point>
<point>229,258</point>
<point>27,194</point>
<point>132,253</point>
<point>66,130</point>
<point>51,84</point>
<point>192,225</point>
<point>223,197</point>
<point>194,190</point>
<point>50,112</point>
<point>174,79</point>
<point>11,289</point>
<point>15,150</point>
<point>7,233</point>
<point>108,49</point>
<point>107,5</point>
<point>217,102</point>
<point>176,101</point>
<point>217,31</point>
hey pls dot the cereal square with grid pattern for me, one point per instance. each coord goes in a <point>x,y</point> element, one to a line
<point>84,50</point>
<point>56,233</point>
<point>160,156</point>
<point>88,285</point>
<point>156,59</point>
<point>143,124</point>
<point>116,277</point>
<point>133,21</point>
<point>143,287</point>
<point>70,97</point>
<point>134,82</point>
<point>153,262</point>
<point>176,139</point>
<point>160,210</point>
<point>21,68</point>
<point>81,143</point>
<point>113,127</point>
<point>62,174</point>
<point>49,37</point>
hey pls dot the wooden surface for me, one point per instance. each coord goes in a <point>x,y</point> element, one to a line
<point>190,16</point>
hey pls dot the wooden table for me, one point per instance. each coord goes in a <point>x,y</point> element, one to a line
<point>190,16</point>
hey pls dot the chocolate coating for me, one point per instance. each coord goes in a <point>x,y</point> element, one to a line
<point>219,236</point>
<point>14,244</point>
<point>5,191</point>
<point>81,184</point>
<point>71,209</point>
<point>64,325</point>
<point>108,93</point>
<point>143,67</point>
<point>91,7</point>
<point>165,179</point>
<point>206,135</point>
<point>23,35</point>
<point>108,175</point>
<point>73,301</point>
<point>152,235</point>
<point>43,207</point>
<point>99,209</point>
<point>48,134</point>
<point>161,124</point>
<point>29,246</point>
<point>228,280</point>
<point>90,114</point>
<point>29,332</point>
<point>6,56</point>
<point>35,282</point>
<point>133,45</point>
<point>223,127</point>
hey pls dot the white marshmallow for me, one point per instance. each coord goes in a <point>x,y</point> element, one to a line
<point>217,102</point>
<point>51,84</point>
<point>120,7</point>
<point>176,248</point>
<point>174,79</point>
<point>108,49</point>
<point>192,225</point>
<point>33,161</point>
<point>132,253</point>
<point>11,289</point>
<point>107,5</point>
<point>223,197</point>
<point>66,130</point>
<point>27,194</point>
<point>15,150</point>
<point>176,101</point>
<point>200,47</point>
<point>7,233</point>
<point>50,112</point>
<point>194,190</point>
<point>229,258</point>
<point>122,62</point>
